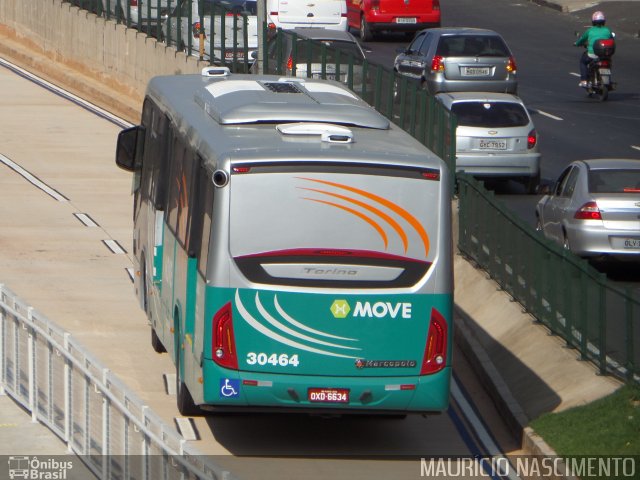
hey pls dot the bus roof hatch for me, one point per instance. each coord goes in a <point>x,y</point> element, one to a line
<point>241,101</point>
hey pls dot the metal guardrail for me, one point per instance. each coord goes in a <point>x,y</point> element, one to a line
<point>47,372</point>
<point>564,292</point>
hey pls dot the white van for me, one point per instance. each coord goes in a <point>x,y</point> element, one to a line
<point>288,14</point>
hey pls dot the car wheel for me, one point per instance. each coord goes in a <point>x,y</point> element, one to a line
<point>366,35</point>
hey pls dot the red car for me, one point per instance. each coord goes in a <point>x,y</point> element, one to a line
<point>409,16</point>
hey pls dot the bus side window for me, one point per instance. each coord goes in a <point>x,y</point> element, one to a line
<point>201,230</point>
<point>177,154</point>
<point>180,190</point>
<point>156,154</point>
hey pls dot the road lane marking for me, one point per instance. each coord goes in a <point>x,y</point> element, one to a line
<point>114,246</point>
<point>35,181</point>
<point>574,74</point>
<point>636,147</point>
<point>85,219</point>
<point>548,115</point>
<point>65,94</point>
<point>481,432</point>
<point>187,428</point>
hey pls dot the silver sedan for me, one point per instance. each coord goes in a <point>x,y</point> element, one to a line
<point>594,209</point>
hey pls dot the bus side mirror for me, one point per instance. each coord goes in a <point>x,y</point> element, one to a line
<point>126,148</point>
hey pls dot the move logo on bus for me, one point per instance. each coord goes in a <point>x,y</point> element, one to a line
<point>341,309</point>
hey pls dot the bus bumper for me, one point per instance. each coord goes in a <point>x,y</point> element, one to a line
<point>229,390</point>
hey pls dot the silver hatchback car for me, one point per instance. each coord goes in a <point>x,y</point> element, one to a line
<point>495,137</point>
<point>459,60</point>
<point>594,209</point>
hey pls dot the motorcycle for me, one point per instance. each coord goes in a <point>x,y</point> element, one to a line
<point>600,81</point>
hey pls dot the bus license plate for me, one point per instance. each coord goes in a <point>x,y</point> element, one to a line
<point>406,20</point>
<point>328,395</point>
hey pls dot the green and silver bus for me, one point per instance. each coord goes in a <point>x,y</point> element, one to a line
<point>292,247</point>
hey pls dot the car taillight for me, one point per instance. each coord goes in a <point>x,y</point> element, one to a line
<point>511,65</point>
<point>532,139</point>
<point>437,63</point>
<point>223,343</point>
<point>290,63</point>
<point>133,3</point>
<point>436,4</point>
<point>589,211</point>
<point>435,352</point>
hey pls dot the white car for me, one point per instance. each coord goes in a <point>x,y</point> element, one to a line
<point>182,28</point>
<point>289,14</point>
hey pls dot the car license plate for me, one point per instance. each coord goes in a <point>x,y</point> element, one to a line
<point>493,144</point>
<point>406,20</point>
<point>475,71</point>
<point>328,395</point>
<point>631,243</point>
<point>605,71</point>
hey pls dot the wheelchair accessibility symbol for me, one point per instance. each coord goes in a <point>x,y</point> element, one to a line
<point>229,388</point>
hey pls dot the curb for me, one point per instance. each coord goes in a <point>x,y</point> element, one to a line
<point>508,407</point>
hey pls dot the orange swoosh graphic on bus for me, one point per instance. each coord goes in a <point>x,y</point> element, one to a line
<point>396,226</point>
<point>358,214</point>
<point>390,205</point>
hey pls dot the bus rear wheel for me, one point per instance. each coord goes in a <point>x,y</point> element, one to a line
<point>156,343</point>
<point>184,400</point>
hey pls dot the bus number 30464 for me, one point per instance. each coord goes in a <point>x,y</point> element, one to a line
<point>275,359</point>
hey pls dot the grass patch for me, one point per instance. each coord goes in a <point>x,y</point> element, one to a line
<point>609,426</point>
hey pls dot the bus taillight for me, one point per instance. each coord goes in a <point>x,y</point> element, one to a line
<point>435,352</point>
<point>223,344</point>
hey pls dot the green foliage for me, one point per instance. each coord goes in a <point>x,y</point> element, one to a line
<point>609,426</point>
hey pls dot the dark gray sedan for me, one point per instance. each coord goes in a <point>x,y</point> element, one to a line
<point>594,209</point>
<point>459,60</point>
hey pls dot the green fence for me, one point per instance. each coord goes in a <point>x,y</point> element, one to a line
<point>218,31</point>
<point>562,291</point>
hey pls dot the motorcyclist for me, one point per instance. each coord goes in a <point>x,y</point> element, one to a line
<point>597,31</point>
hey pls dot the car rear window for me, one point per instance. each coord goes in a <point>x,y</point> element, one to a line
<point>490,114</point>
<point>472,46</point>
<point>314,50</point>
<point>614,181</point>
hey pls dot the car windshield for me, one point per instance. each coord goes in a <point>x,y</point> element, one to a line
<point>312,50</point>
<point>472,46</point>
<point>490,114</point>
<point>614,181</point>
